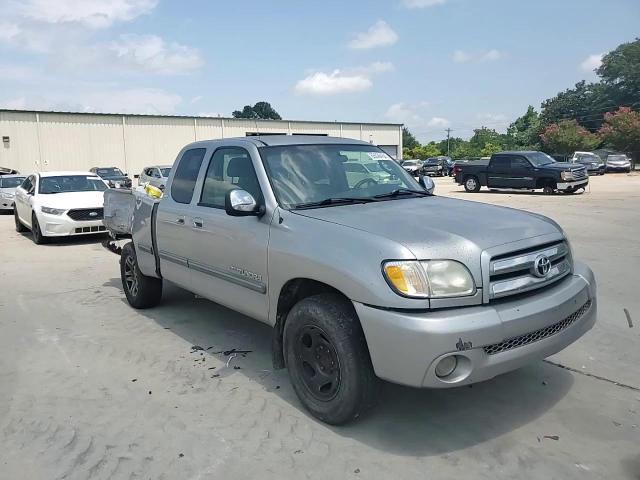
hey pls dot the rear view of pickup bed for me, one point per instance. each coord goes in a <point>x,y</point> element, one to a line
<point>521,171</point>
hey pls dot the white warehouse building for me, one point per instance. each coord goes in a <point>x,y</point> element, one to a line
<point>45,141</point>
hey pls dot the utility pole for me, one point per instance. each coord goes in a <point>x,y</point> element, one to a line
<point>448,130</point>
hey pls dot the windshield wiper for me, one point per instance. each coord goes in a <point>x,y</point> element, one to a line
<point>333,201</point>
<point>403,191</point>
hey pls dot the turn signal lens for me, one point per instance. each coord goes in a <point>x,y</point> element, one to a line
<point>407,278</point>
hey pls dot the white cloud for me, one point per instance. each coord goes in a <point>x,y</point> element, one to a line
<point>8,31</point>
<point>89,13</point>
<point>462,56</point>
<point>438,122</point>
<point>591,62</point>
<point>153,54</point>
<point>408,114</point>
<point>17,72</point>
<point>321,83</point>
<point>338,81</point>
<point>134,100</point>
<point>380,34</point>
<point>422,3</point>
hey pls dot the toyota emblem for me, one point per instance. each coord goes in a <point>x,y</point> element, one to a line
<point>93,214</point>
<point>541,266</point>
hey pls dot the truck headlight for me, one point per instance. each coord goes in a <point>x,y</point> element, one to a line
<point>567,176</point>
<point>429,278</point>
<point>52,211</point>
<point>6,195</point>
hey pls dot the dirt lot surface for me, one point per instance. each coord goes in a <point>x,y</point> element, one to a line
<point>92,389</point>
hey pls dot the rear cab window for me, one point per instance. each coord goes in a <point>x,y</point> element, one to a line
<point>184,180</point>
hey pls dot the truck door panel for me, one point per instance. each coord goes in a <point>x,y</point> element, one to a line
<point>521,173</point>
<point>174,235</point>
<point>498,172</point>
<point>228,258</point>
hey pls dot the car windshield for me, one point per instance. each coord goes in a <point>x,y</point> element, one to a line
<point>410,163</point>
<point>110,172</point>
<point>588,157</point>
<point>165,171</point>
<point>617,157</point>
<point>433,161</point>
<point>374,167</point>
<point>538,159</point>
<point>71,183</point>
<point>12,182</point>
<point>304,175</point>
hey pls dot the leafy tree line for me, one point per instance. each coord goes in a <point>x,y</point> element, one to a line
<point>588,116</point>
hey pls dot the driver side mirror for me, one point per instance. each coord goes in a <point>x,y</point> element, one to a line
<point>240,203</point>
<point>427,183</point>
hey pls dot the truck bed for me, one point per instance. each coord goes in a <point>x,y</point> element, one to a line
<point>119,208</point>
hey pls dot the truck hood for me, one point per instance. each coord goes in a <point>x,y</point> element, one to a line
<point>432,227</point>
<point>71,200</point>
<point>562,166</point>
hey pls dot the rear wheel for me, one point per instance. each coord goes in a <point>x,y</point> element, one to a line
<point>471,184</point>
<point>141,291</point>
<point>20,228</point>
<point>38,236</point>
<point>328,359</point>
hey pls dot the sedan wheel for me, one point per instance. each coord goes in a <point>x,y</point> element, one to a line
<point>38,237</point>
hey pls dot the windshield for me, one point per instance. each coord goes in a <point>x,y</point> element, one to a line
<point>110,172</point>
<point>165,171</point>
<point>617,157</point>
<point>13,182</point>
<point>588,157</point>
<point>410,163</point>
<point>71,183</point>
<point>433,161</point>
<point>374,167</point>
<point>307,174</point>
<point>538,159</point>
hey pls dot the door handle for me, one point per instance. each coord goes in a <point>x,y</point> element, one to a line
<point>180,220</point>
<point>197,223</point>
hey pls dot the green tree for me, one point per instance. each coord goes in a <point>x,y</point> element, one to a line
<point>260,111</point>
<point>524,132</point>
<point>482,136</point>
<point>489,149</point>
<point>585,103</point>
<point>620,73</point>
<point>621,130</point>
<point>567,136</point>
<point>408,140</point>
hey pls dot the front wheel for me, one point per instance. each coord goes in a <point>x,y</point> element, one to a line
<point>471,184</point>
<point>328,359</point>
<point>141,291</point>
<point>20,228</point>
<point>549,189</point>
<point>36,232</point>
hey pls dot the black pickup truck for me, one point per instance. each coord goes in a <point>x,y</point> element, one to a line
<point>523,171</point>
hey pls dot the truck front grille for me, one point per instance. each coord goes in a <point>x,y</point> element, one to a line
<point>516,272</point>
<point>85,214</point>
<point>580,173</point>
<point>531,337</point>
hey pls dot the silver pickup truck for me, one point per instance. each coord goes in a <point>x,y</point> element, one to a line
<point>356,290</point>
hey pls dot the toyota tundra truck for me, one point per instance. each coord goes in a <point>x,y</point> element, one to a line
<point>356,291</point>
<point>522,171</point>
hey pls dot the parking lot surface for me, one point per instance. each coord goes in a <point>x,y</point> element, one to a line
<point>91,388</point>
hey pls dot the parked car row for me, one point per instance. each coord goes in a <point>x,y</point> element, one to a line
<point>434,166</point>
<point>595,166</point>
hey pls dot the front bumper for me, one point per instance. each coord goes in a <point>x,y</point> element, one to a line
<point>63,226</point>
<point>405,347</point>
<point>573,185</point>
<point>618,168</point>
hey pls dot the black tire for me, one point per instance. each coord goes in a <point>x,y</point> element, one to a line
<point>36,233</point>
<point>141,291</point>
<point>472,184</point>
<point>20,228</point>
<point>323,333</point>
<point>549,189</point>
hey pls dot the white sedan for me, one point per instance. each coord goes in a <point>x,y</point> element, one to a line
<point>55,204</point>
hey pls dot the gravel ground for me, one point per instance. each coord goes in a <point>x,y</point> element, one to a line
<point>92,389</point>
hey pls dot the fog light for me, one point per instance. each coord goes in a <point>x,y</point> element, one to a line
<point>446,366</point>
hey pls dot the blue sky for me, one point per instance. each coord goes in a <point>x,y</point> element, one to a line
<point>430,64</point>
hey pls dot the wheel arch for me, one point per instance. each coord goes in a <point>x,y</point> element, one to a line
<point>544,181</point>
<point>292,292</point>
